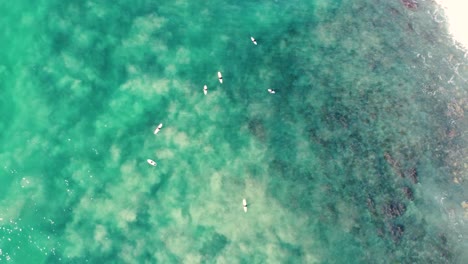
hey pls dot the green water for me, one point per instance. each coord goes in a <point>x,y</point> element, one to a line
<point>367,92</point>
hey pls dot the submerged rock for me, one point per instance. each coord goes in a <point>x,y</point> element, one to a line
<point>408,193</point>
<point>411,4</point>
<point>412,173</point>
<point>455,109</point>
<point>371,205</point>
<point>380,232</point>
<point>397,232</point>
<point>393,209</point>
<point>390,159</point>
<point>451,133</point>
<point>393,163</point>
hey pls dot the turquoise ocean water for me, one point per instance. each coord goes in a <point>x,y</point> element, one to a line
<point>359,157</point>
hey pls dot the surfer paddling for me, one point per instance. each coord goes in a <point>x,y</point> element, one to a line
<point>205,89</point>
<point>220,77</point>
<point>158,128</point>
<point>244,203</point>
<point>253,40</point>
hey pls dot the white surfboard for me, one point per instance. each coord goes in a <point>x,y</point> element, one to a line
<point>253,40</point>
<point>220,77</point>
<point>158,128</point>
<point>151,162</point>
<point>205,89</point>
<point>271,91</point>
<point>244,203</point>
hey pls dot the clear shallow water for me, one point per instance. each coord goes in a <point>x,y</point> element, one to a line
<point>368,93</point>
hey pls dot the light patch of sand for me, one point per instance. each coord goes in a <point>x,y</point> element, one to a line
<point>128,168</point>
<point>179,218</point>
<point>98,10</point>
<point>183,56</point>
<point>193,258</point>
<point>216,182</point>
<point>177,137</point>
<point>149,23</point>
<point>71,62</point>
<point>77,248</point>
<point>115,153</point>
<point>127,215</point>
<point>165,154</point>
<point>146,86</point>
<point>170,70</point>
<point>158,47</point>
<point>179,244</point>
<point>181,139</point>
<point>100,233</point>
<point>101,238</point>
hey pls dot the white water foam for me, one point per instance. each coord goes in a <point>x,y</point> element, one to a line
<point>455,11</point>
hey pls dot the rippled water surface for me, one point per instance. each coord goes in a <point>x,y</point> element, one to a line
<point>358,157</point>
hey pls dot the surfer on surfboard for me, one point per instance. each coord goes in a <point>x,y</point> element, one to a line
<point>244,203</point>
<point>205,89</point>
<point>220,77</point>
<point>158,128</point>
<point>151,162</point>
<point>253,40</point>
<point>271,91</point>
